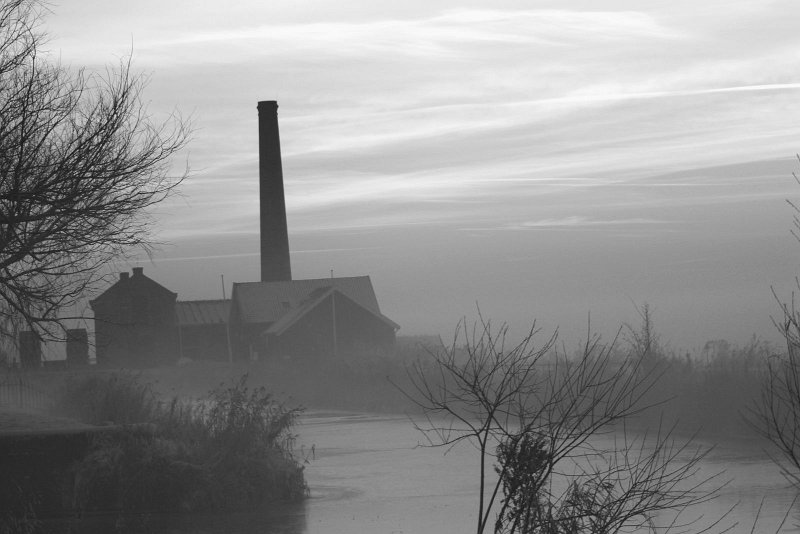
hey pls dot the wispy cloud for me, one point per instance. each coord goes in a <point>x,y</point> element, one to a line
<point>441,36</point>
<point>572,222</point>
<point>198,257</point>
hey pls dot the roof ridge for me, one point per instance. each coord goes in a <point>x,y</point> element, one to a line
<point>303,280</point>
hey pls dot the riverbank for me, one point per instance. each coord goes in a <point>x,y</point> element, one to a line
<point>115,447</point>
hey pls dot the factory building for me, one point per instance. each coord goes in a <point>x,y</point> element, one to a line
<point>140,323</point>
<point>325,316</point>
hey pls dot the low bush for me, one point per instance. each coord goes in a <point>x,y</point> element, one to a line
<point>232,451</point>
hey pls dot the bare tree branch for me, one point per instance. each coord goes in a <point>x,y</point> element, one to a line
<point>776,415</point>
<point>81,161</point>
<point>535,416</point>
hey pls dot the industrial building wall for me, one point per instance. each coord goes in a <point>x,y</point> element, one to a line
<point>204,342</point>
<point>313,334</point>
<point>137,329</point>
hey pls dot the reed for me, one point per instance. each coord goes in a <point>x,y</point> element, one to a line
<point>231,451</point>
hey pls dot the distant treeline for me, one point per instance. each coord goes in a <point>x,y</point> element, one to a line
<point>712,392</point>
<point>708,392</point>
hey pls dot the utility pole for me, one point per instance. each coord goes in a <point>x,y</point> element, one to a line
<point>333,312</point>
<point>227,320</point>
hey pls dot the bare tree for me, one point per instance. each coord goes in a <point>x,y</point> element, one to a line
<point>554,431</point>
<point>776,413</point>
<point>81,160</point>
<point>643,340</point>
<point>795,208</point>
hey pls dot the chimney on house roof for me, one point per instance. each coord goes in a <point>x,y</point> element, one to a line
<point>138,271</point>
<point>275,263</point>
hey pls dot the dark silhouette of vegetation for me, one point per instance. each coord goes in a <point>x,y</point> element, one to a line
<point>706,391</point>
<point>232,451</point>
<point>535,416</point>
<point>81,160</point>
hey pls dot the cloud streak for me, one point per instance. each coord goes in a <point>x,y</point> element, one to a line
<point>439,37</point>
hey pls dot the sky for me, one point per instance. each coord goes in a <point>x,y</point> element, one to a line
<point>562,162</point>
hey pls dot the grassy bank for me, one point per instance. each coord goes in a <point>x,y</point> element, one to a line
<point>233,451</point>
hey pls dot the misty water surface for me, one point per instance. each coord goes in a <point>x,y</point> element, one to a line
<point>367,474</point>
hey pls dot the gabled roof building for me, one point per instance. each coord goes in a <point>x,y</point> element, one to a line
<point>135,323</point>
<point>139,323</point>
<point>321,316</point>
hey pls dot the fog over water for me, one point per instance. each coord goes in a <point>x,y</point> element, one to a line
<point>368,474</point>
<point>371,475</point>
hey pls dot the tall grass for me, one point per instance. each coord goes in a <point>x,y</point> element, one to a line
<point>118,398</point>
<point>233,451</point>
<point>710,391</point>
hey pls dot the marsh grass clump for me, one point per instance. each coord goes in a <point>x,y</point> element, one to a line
<point>231,451</point>
<point>248,442</point>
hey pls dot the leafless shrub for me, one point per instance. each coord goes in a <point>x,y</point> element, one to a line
<point>535,418</point>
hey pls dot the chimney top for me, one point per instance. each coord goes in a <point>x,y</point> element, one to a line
<point>124,276</point>
<point>138,271</point>
<point>267,104</point>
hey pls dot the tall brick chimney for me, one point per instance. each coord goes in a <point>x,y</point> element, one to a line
<point>275,264</point>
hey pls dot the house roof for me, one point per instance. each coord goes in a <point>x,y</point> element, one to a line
<point>202,312</point>
<point>316,297</point>
<point>267,302</point>
<point>138,283</point>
